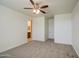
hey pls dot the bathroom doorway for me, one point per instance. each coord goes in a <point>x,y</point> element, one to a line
<point>29,32</point>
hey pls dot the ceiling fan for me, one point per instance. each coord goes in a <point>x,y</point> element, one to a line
<point>36,8</point>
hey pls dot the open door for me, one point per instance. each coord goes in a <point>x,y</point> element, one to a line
<point>29,32</point>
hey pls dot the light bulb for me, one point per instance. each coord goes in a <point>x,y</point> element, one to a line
<point>37,11</point>
<point>34,10</point>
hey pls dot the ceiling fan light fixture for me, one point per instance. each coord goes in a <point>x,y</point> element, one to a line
<point>36,11</point>
<point>36,8</point>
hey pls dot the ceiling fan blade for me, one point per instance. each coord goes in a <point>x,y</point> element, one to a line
<point>32,2</point>
<point>45,6</point>
<point>43,11</point>
<point>28,8</point>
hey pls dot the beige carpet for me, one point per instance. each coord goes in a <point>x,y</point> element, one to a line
<point>37,49</point>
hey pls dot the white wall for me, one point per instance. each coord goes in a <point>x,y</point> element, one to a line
<point>46,28</point>
<point>75,28</point>
<point>51,28</point>
<point>38,29</point>
<point>12,28</point>
<point>62,28</point>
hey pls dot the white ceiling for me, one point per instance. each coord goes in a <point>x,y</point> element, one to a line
<point>55,6</point>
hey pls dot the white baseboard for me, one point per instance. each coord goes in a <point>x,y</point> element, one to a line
<point>77,50</point>
<point>13,47</point>
<point>63,43</point>
<point>39,40</point>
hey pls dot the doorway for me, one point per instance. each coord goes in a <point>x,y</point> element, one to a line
<point>29,32</point>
